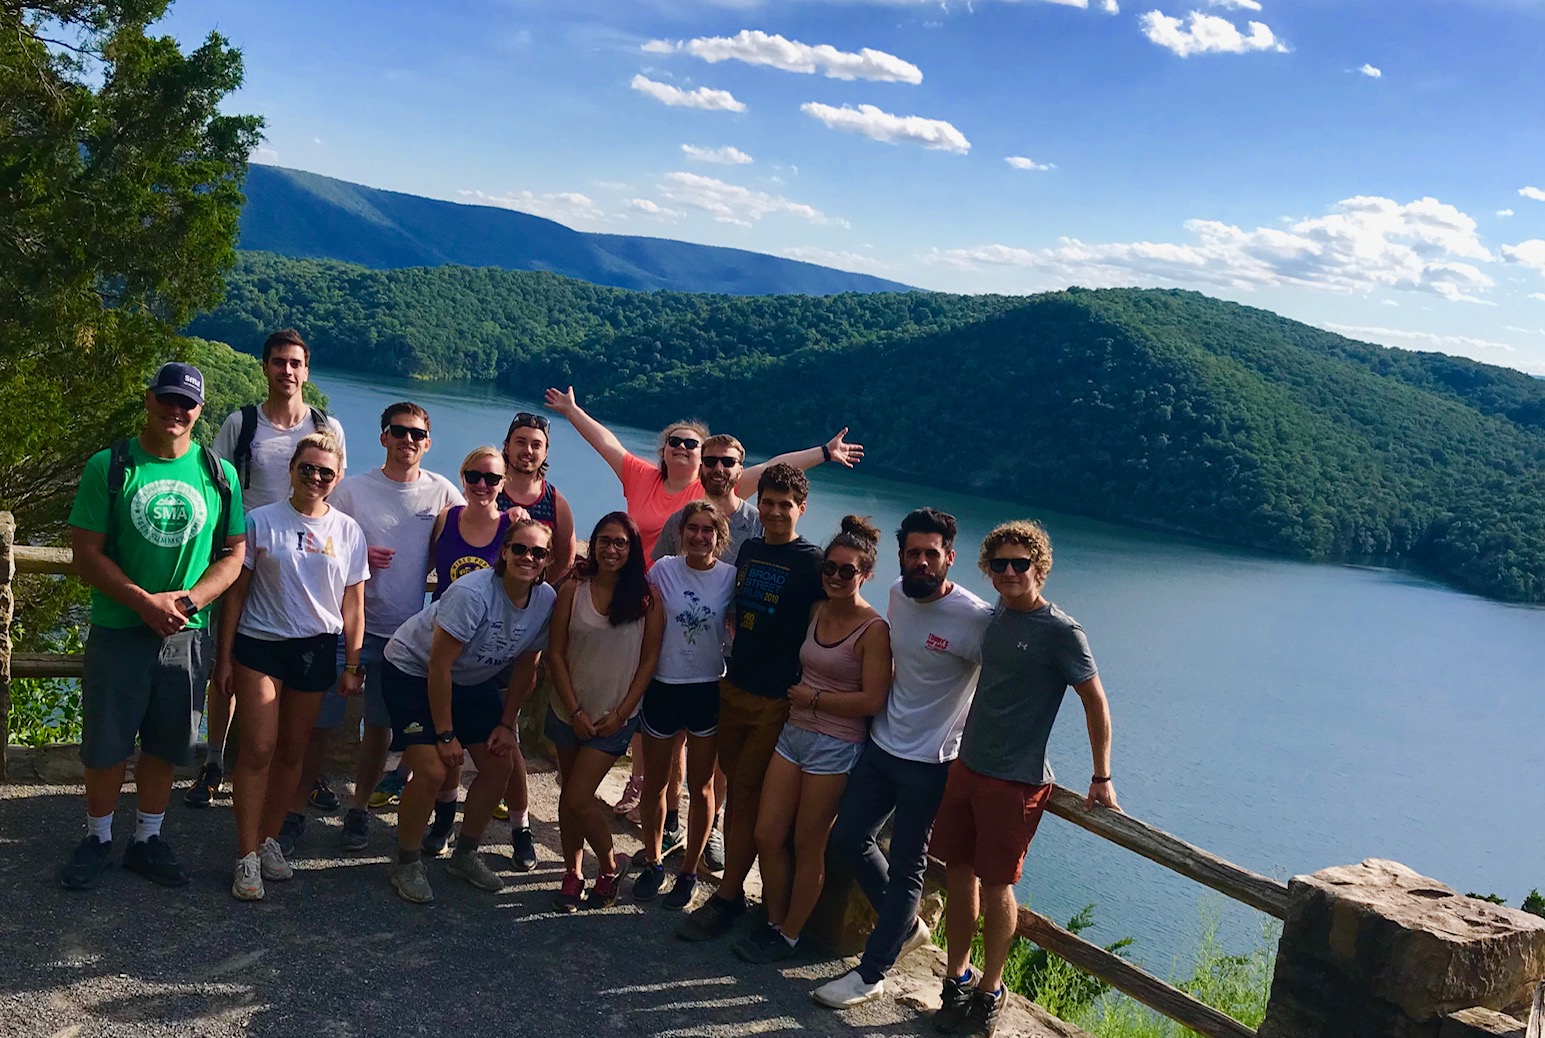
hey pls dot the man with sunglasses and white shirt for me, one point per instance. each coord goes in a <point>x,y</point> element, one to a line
<point>396,505</point>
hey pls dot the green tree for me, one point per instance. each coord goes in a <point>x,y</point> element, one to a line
<point>119,194</point>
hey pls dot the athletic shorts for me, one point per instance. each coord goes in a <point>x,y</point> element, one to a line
<point>670,709</point>
<point>299,664</point>
<point>475,709</point>
<point>564,737</point>
<point>335,707</point>
<point>987,823</point>
<point>816,753</point>
<point>136,684</point>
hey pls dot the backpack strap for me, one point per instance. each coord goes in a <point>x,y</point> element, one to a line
<point>216,473</point>
<point>241,457</point>
<point>319,420</point>
<point>119,461</point>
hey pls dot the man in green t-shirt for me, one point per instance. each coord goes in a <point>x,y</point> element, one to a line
<point>146,537</point>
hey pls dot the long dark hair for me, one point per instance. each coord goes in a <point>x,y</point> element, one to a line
<point>630,598</point>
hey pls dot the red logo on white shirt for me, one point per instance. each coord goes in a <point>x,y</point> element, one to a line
<point>937,644</point>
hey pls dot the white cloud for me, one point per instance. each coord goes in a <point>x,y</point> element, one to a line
<point>835,258</point>
<point>1207,34</point>
<point>1532,192</point>
<point>1537,295</point>
<point>1371,72</point>
<point>1110,7</point>
<point>1405,339</point>
<point>1029,165</point>
<point>869,121</point>
<point>755,47</point>
<point>731,203</point>
<point>1530,253</point>
<point>1236,5</point>
<point>264,156</point>
<point>1361,244</point>
<point>566,207</point>
<point>725,156</point>
<point>1504,212</point>
<point>649,208</point>
<point>703,97</point>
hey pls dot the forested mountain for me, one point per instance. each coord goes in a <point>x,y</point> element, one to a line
<point>1160,408</point>
<point>301,214</point>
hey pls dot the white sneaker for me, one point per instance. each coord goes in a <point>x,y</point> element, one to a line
<point>247,884</point>
<point>919,937</point>
<point>273,863</point>
<point>848,990</point>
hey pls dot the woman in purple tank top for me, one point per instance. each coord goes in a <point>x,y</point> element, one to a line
<point>846,677</point>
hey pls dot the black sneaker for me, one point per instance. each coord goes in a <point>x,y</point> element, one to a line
<point>86,863</point>
<point>522,850</point>
<point>681,892</point>
<point>954,1003</point>
<point>713,918</point>
<point>154,860</point>
<point>439,835</point>
<point>983,1012</point>
<point>322,796</point>
<point>291,829</point>
<point>765,945</point>
<point>206,786</point>
<point>650,880</point>
<point>356,830</point>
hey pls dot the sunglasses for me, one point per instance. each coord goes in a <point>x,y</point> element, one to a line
<point>320,472</point>
<point>845,570</point>
<point>684,442</point>
<point>1002,565</point>
<point>399,431</point>
<point>472,478</point>
<point>712,460</point>
<point>525,419</point>
<point>537,552</point>
<point>175,400</point>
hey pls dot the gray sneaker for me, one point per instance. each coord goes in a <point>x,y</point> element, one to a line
<point>472,868</point>
<point>356,830</point>
<point>713,853</point>
<point>412,883</point>
<point>672,841</point>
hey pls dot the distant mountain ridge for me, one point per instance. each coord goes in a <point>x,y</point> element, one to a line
<point>308,216</point>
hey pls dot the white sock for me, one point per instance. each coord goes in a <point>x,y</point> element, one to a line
<point>146,826</point>
<point>101,828</point>
<point>521,821</point>
<point>790,941</point>
<point>215,755</point>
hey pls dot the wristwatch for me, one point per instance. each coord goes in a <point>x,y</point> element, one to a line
<point>354,668</point>
<point>186,604</point>
<point>447,736</point>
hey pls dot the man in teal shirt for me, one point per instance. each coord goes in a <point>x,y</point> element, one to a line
<point>145,533</point>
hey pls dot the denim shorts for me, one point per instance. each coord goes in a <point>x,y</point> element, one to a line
<point>563,737</point>
<point>335,707</point>
<point>816,753</point>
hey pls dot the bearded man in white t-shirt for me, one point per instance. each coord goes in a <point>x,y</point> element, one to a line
<point>936,642</point>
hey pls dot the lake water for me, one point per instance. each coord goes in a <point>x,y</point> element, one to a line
<point>1284,715</point>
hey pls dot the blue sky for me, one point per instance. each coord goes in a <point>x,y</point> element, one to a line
<point>1376,167</point>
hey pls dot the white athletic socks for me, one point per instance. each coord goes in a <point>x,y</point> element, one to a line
<point>101,828</point>
<point>146,826</point>
<point>520,821</point>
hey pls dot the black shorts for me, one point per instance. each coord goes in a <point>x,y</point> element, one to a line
<point>299,664</point>
<point>671,709</point>
<point>476,710</point>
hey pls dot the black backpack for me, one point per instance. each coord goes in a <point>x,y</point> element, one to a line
<point>242,457</point>
<point>119,463</point>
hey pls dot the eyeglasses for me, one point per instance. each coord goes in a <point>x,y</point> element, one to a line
<point>619,543</point>
<point>684,442</point>
<point>845,570</point>
<point>525,419</point>
<point>729,461</point>
<point>399,431</point>
<point>1002,565</point>
<point>472,478</point>
<point>320,472</point>
<point>175,400</point>
<point>536,551</point>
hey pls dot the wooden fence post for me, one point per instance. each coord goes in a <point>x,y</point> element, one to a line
<point>7,606</point>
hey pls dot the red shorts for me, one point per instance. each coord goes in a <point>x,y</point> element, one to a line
<point>987,823</point>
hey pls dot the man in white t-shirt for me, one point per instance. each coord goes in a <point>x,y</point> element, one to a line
<point>259,441</point>
<point>396,506</point>
<point>936,641</point>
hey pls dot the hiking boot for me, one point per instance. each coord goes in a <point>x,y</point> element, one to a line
<point>713,918</point>
<point>356,830</point>
<point>983,1012</point>
<point>673,841</point>
<point>206,786</point>
<point>604,893</point>
<point>848,990</point>
<point>570,892</point>
<point>766,945</point>
<point>471,867</point>
<point>272,861</point>
<point>439,835</point>
<point>954,1003</point>
<point>388,792</point>
<point>322,796</point>
<point>247,884</point>
<point>154,860</point>
<point>412,882</point>
<point>713,851</point>
<point>681,892</point>
<point>650,880</point>
<point>86,863</point>
<point>522,850</point>
<point>632,795</point>
<point>291,829</point>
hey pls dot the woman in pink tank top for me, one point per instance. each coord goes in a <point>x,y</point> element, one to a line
<point>846,662</point>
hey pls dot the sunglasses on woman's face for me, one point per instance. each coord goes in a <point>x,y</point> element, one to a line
<point>845,570</point>
<point>712,460</point>
<point>685,443</point>
<point>399,431</point>
<point>537,552</point>
<point>472,477</point>
<point>1002,565</point>
<point>318,472</point>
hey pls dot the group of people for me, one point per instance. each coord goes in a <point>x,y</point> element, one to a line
<point>701,633</point>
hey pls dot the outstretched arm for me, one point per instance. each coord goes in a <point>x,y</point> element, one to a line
<point>1097,714</point>
<point>597,435</point>
<point>835,449</point>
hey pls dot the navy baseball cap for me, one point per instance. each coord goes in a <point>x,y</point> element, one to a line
<point>181,379</point>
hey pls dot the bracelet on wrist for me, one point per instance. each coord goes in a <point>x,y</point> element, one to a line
<point>1099,778</point>
<point>826,454</point>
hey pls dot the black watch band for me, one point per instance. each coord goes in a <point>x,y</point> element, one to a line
<point>447,736</point>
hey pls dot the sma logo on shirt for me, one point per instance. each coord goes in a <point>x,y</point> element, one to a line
<point>168,513</point>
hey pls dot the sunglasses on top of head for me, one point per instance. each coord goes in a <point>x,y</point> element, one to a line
<point>845,570</point>
<point>472,477</point>
<point>527,420</point>
<point>319,472</point>
<point>1002,565</point>
<point>683,442</point>
<point>729,461</point>
<point>399,431</point>
<point>537,552</point>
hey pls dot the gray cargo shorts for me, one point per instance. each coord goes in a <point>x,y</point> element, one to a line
<point>136,684</point>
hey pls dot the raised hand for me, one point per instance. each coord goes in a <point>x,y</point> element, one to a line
<point>844,453</point>
<point>561,400</point>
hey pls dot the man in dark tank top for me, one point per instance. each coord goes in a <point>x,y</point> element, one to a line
<point>526,487</point>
